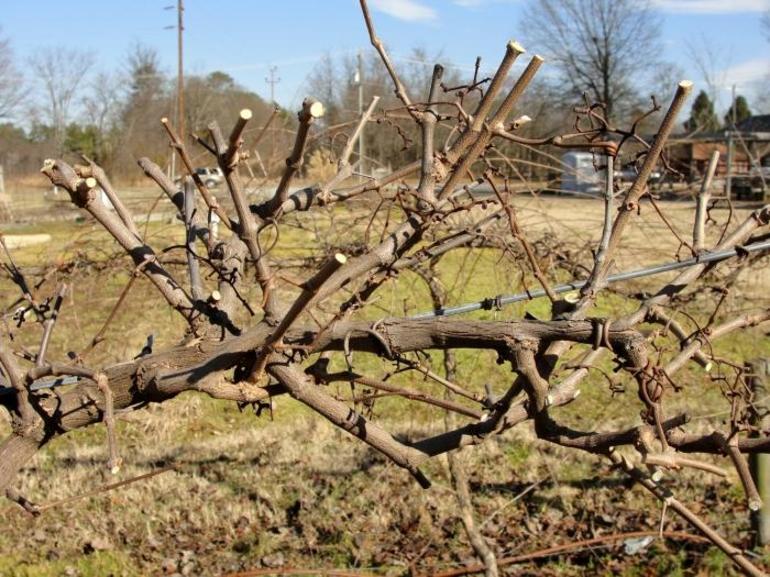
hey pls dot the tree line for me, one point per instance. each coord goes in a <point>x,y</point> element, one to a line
<point>110,116</point>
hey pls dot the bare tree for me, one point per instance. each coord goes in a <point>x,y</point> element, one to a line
<point>712,62</point>
<point>58,72</point>
<point>11,80</point>
<point>601,47</point>
<point>102,107</point>
<point>102,103</point>
<point>286,342</point>
<point>148,99</point>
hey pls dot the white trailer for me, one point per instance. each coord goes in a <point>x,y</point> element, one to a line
<point>579,175</point>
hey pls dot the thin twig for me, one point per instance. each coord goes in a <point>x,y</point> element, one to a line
<point>181,150</point>
<point>400,89</point>
<point>575,546</point>
<point>311,110</point>
<point>48,325</point>
<point>104,489</point>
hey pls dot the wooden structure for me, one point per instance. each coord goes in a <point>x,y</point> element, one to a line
<point>748,163</point>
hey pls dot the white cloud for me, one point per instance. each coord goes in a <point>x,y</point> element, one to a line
<point>478,3</point>
<point>408,10</point>
<point>712,6</point>
<point>746,73</point>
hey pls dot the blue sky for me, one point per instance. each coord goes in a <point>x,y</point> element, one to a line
<point>245,37</point>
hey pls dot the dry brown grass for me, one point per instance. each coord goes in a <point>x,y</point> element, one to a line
<point>250,492</point>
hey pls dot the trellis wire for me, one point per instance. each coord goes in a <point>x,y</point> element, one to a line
<point>500,301</point>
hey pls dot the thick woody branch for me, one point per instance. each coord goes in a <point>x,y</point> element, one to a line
<point>428,121</point>
<point>657,315</point>
<point>596,282</point>
<point>534,384</point>
<point>380,257</point>
<point>305,198</point>
<point>247,227</point>
<point>23,406</point>
<point>175,194</point>
<point>471,134</point>
<point>757,219</point>
<point>83,195</point>
<point>593,442</point>
<point>380,385</point>
<point>479,145</point>
<point>235,142</point>
<point>96,171</point>
<point>699,228</point>
<point>561,141</point>
<point>348,419</point>
<point>348,150</point>
<point>680,283</point>
<point>310,289</point>
<point>163,375</point>
<point>674,461</point>
<point>196,284</point>
<point>16,451</point>
<point>450,242</point>
<point>732,448</point>
<point>311,110</point>
<point>698,340</point>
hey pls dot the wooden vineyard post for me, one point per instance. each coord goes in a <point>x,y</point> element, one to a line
<point>6,215</point>
<point>759,379</point>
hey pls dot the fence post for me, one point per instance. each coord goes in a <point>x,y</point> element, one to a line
<point>758,373</point>
<point>5,201</point>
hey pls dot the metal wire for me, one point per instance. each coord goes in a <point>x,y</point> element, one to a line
<point>502,300</point>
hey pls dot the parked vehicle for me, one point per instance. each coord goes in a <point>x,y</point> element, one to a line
<point>211,177</point>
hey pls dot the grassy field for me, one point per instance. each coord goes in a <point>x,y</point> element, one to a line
<point>289,490</point>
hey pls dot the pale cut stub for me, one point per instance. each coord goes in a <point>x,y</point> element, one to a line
<point>316,109</point>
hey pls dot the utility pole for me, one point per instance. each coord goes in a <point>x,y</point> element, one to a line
<point>360,81</point>
<point>180,124</point>
<point>272,80</point>
<point>729,177</point>
<point>180,69</point>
